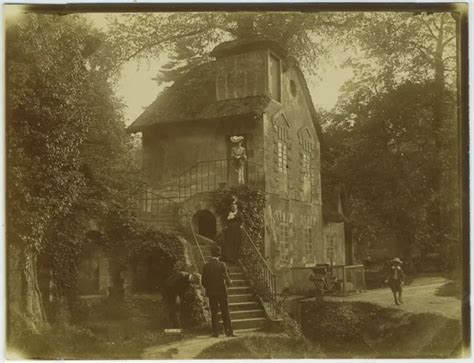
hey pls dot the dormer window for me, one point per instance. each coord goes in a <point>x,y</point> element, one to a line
<point>274,77</point>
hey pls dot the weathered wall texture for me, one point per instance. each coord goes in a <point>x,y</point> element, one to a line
<point>294,234</point>
<point>170,150</point>
<point>334,242</point>
<point>241,75</point>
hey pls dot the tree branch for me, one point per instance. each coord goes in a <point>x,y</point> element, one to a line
<point>448,40</point>
<point>148,46</point>
<point>429,28</point>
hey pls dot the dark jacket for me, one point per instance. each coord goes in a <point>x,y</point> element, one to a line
<point>178,282</point>
<point>215,278</point>
<point>395,274</point>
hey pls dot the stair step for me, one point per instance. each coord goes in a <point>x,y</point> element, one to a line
<point>249,330</point>
<point>237,276</point>
<point>241,298</point>
<point>246,305</point>
<point>249,323</point>
<point>239,290</point>
<point>239,283</point>
<point>246,314</point>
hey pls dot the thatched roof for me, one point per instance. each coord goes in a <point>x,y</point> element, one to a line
<point>193,97</point>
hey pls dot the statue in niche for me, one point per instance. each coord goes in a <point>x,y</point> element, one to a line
<point>238,156</point>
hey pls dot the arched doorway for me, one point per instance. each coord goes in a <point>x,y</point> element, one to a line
<point>205,223</point>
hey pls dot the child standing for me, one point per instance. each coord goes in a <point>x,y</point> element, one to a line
<point>395,279</point>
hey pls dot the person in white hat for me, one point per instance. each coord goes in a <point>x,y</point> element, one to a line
<point>239,156</point>
<point>395,279</point>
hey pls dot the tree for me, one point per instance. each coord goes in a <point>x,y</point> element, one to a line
<point>189,37</point>
<point>66,142</point>
<point>385,150</point>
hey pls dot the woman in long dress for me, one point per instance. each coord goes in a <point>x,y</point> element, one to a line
<point>232,236</point>
<point>239,156</point>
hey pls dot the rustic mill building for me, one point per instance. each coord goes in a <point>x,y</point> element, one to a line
<point>252,89</point>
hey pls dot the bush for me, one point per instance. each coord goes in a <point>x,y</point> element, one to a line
<point>365,330</point>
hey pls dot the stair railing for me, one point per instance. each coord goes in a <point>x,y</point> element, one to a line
<point>196,242</point>
<point>209,175</point>
<point>259,272</point>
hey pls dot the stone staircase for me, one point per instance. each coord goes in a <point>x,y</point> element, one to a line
<point>246,311</point>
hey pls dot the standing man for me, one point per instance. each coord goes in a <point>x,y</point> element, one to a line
<point>175,286</point>
<point>215,280</point>
<point>395,279</point>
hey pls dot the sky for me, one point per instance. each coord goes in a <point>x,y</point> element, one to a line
<point>137,89</point>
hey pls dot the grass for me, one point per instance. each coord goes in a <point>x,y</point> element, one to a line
<point>262,347</point>
<point>364,330</point>
<point>107,330</point>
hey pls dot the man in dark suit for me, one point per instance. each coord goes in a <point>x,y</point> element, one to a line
<point>215,280</point>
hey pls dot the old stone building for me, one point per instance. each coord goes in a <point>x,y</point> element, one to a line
<point>255,90</point>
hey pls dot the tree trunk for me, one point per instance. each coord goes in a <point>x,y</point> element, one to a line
<point>33,303</point>
<point>25,306</point>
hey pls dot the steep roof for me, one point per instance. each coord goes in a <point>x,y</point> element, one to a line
<point>193,97</point>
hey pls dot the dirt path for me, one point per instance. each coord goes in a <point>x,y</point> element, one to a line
<point>188,348</point>
<point>418,297</point>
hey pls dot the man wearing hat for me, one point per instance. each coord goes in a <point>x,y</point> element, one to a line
<point>215,280</point>
<point>395,279</point>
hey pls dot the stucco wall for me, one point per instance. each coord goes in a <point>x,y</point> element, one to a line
<point>169,150</point>
<point>241,75</point>
<point>334,237</point>
<point>294,198</point>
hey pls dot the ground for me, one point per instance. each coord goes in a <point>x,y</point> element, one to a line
<point>418,297</point>
<point>190,348</point>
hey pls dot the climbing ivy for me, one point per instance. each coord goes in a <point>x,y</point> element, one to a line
<point>251,205</point>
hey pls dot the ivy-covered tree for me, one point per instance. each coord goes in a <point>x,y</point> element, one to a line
<point>67,150</point>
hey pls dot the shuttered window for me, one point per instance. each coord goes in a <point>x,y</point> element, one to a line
<point>275,78</point>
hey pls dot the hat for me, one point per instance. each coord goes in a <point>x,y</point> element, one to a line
<point>397,260</point>
<point>215,251</point>
<point>236,138</point>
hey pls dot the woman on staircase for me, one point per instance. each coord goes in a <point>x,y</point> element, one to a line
<point>232,235</point>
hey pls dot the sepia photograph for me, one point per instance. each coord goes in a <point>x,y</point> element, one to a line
<point>236,181</point>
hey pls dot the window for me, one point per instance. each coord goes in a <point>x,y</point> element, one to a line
<point>305,165</point>
<point>330,247</point>
<point>284,241</point>
<point>282,157</point>
<point>274,78</point>
<point>307,237</point>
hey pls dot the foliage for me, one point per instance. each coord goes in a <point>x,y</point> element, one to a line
<point>251,205</point>
<point>390,141</point>
<point>192,310</point>
<point>367,330</point>
<point>188,37</point>
<point>135,242</point>
<point>105,331</point>
<point>262,347</point>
